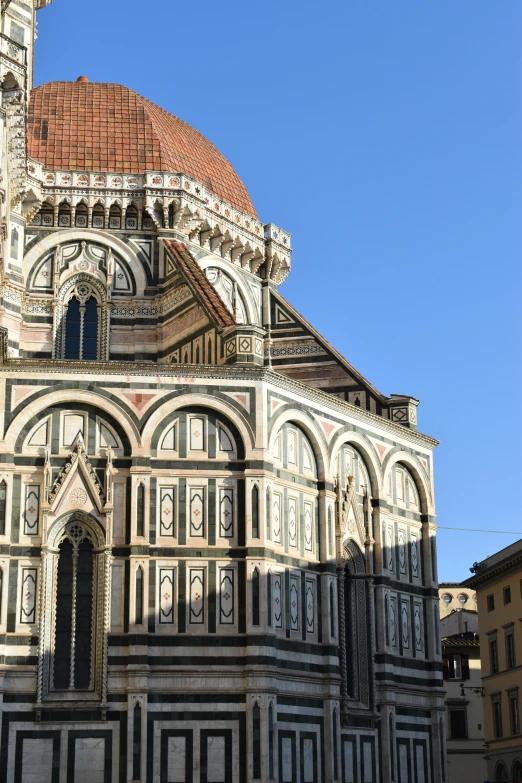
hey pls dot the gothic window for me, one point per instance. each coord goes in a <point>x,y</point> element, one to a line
<point>255,597</point>
<point>256,737</point>
<point>64,215</point>
<point>138,609</point>
<point>140,510</point>
<point>98,216</point>
<point>350,463</point>
<point>115,217</point>
<point>268,513</point>
<point>131,218</point>
<point>75,610</point>
<point>356,627</point>
<point>136,743</point>
<point>3,506</point>
<point>82,216</point>
<point>81,329</point>
<point>255,511</point>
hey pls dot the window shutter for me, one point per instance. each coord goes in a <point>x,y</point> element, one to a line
<point>445,667</point>
<point>465,667</point>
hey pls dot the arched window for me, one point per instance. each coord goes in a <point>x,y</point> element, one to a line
<point>74,611</point>
<point>356,629</point>
<point>268,513</point>
<point>255,597</point>
<point>82,216</point>
<point>501,774</point>
<point>256,741</point>
<point>136,743</point>
<point>64,215</point>
<point>517,772</point>
<point>138,613</point>
<point>140,511</point>
<point>255,511</point>
<point>115,216</point>
<point>3,506</point>
<point>131,218</point>
<point>392,745</point>
<point>98,216</point>
<point>270,742</point>
<point>81,329</point>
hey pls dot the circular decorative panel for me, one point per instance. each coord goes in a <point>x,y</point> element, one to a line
<point>77,497</point>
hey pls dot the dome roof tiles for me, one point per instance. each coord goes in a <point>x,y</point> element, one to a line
<point>94,126</point>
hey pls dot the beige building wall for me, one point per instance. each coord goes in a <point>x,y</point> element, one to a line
<point>498,582</point>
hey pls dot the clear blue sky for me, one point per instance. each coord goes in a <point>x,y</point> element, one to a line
<point>386,136</point>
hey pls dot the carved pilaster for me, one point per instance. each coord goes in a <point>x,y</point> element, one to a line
<point>342,638</point>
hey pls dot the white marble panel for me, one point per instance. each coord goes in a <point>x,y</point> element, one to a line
<point>176,759</point>
<point>308,761</point>
<point>117,596</point>
<point>286,760</point>
<point>348,763</point>
<point>89,760</point>
<point>367,753</point>
<point>72,424</point>
<point>419,764</point>
<point>215,759</point>
<point>37,760</point>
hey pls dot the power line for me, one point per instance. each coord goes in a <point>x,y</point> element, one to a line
<point>478,530</point>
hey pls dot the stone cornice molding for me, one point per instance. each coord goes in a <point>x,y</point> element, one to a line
<point>492,572</point>
<point>221,372</point>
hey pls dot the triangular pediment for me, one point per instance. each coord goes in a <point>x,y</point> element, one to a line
<point>77,486</point>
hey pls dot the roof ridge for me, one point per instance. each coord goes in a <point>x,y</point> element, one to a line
<point>202,289</point>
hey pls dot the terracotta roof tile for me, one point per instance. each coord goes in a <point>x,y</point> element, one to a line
<point>201,287</point>
<point>93,126</point>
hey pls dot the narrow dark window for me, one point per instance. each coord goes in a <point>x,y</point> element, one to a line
<point>497,718</point>
<point>3,505</point>
<point>255,597</point>
<point>73,330</point>
<point>268,514</point>
<point>136,744</point>
<point>197,354</point>
<point>63,626</point>
<point>392,745</point>
<point>490,602</point>
<point>256,739</point>
<point>514,715</point>
<point>90,330</point>
<point>334,731</point>
<point>493,657</point>
<point>507,595</point>
<point>332,610</point>
<point>209,352</point>
<point>138,615</point>
<point>386,620</point>
<point>270,742</point>
<point>510,651</point>
<point>83,617</point>
<point>269,598</point>
<point>140,511</point>
<point>442,754</point>
<point>255,512</point>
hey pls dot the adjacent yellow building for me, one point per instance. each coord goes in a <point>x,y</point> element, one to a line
<point>498,584</point>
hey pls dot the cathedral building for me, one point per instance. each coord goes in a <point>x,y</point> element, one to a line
<point>217,538</point>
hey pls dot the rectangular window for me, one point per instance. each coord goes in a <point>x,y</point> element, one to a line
<point>497,717</point>
<point>493,656</point>
<point>514,715</point>
<point>458,724</point>
<point>510,651</point>
<point>507,595</point>
<point>490,602</point>
<point>455,667</point>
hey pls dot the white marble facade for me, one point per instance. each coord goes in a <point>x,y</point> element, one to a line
<point>217,539</point>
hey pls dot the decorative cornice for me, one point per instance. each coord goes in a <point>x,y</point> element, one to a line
<point>220,372</point>
<point>487,574</point>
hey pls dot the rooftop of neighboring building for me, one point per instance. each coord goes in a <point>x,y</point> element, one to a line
<point>494,565</point>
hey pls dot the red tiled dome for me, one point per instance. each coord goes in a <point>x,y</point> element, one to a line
<point>90,126</point>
